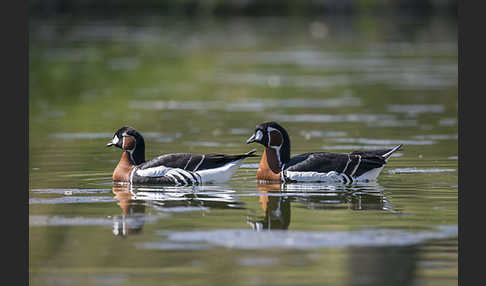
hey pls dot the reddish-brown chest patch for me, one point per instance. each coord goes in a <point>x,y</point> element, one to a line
<point>123,169</point>
<point>269,169</point>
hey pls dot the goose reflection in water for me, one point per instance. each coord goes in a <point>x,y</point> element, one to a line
<point>132,217</point>
<point>275,206</point>
<point>359,196</point>
<point>133,202</point>
<point>276,199</point>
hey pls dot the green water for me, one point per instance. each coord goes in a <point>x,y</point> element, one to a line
<point>336,84</point>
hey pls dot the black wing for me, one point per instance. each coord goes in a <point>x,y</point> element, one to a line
<point>217,160</point>
<point>385,153</point>
<point>321,162</point>
<point>373,158</point>
<point>178,160</point>
<point>354,164</point>
<point>193,162</point>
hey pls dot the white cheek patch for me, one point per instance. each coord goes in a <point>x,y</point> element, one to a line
<point>258,135</point>
<point>115,140</point>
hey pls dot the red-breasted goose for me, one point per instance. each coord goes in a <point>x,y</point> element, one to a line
<point>169,169</point>
<point>277,165</point>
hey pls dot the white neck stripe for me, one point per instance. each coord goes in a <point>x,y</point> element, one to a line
<point>130,151</point>
<point>276,148</point>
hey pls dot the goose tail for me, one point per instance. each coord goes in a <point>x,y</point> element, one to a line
<point>393,150</point>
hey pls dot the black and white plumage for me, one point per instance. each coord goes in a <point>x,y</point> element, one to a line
<point>169,169</point>
<point>277,163</point>
<point>187,169</point>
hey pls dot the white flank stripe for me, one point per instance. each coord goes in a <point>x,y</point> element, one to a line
<point>314,176</point>
<point>346,177</point>
<point>179,176</point>
<point>209,176</point>
<point>154,172</point>
<point>331,176</point>
<point>199,164</point>
<point>347,163</point>
<point>185,167</point>
<point>174,173</point>
<point>173,178</point>
<point>189,175</point>
<point>357,165</point>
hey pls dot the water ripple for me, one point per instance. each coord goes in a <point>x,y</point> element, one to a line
<point>383,141</point>
<point>246,106</point>
<point>413,109</point>
<point>71,200</point>
<point>415,170</point>
<point>70,191</point>
<point>375,120</point>
<point>248,239</point>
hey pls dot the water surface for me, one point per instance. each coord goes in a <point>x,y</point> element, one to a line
<point>201,86</point>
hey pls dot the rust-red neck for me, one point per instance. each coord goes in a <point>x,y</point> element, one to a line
<point>269,168</point>
<point>123,169</point>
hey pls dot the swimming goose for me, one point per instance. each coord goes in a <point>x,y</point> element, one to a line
<point>277,165</point>
<point>169,169</point>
